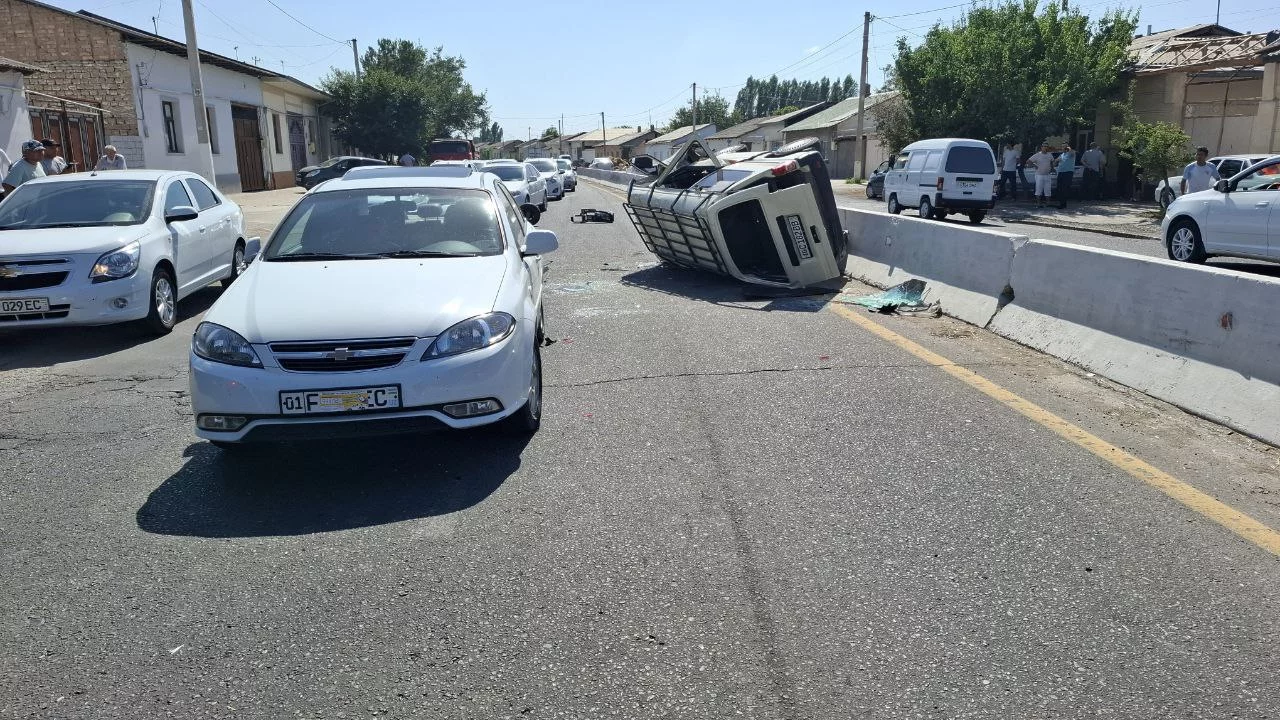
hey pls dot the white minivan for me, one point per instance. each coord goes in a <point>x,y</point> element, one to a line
<point>941,177</point>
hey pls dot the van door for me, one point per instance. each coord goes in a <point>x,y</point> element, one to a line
<point>895,178</point>
<point>969,173</point>
<point>928,180</point>
<point>910,195</point>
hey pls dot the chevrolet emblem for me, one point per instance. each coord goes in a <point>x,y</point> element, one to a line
<point>341,355</point>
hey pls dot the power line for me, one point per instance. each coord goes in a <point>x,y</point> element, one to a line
<point>291,17</point>
<point>921,12</point>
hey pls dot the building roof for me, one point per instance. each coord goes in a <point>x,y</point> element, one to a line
<point>679,133</point>
<point>797,115</point>
<point>25,69</point>
<point>624,139</point>
<point>740,129</point>
<point>839,112</point>
<point>610,136</point>
<point>1194,31</point>
<point>1183,53</point>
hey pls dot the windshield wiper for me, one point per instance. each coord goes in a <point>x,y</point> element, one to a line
<point>319,256</point>
<point>419,254</point>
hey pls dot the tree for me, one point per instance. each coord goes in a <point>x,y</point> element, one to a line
<point>550,133</point>
<point>491,134</point>
<point>1156,147</point>
<point>1012,70</point>
<point>407,96</point>
<point>711,109</point>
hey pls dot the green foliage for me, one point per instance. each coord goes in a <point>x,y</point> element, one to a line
<point>550,133</point>
<point>760,98</point>
<point>787,109</point>
<point>1011,70</point>
<point>490,134</point>
<point>407,96</point>
<point>1157,147</point>
<point>711,109</point>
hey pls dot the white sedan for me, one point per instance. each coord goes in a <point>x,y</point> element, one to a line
<point>552,174</point>
<point>525,185</point>
<point>393,300</point>
<point>95,249</point>
<point>1170,188</point>
<point>1239,217</point>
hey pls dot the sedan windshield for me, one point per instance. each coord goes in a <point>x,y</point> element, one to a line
<point>564,164</point>
<point>506,172</point>
<point>331,162</point>
<point>90,203</point>
<point>388,223</point>
<point>544,165</point>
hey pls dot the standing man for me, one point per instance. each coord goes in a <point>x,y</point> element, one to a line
<point>1066,173</point>
<point>111,160</point>
<point>408,160</point>
<point>28,168</point>
<point>1196,176</point>
<point>1043,164</point>
<point>1009,170</point>
<point>52,163</point>
<point>1094,161</point>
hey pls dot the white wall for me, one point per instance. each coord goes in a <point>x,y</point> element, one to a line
<point>280,103</point>
<point>15,123</point>
<point>165,77</point>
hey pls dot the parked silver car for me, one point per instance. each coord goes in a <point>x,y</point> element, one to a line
<point>569,175</point>
<point>526,186</point>
<point>550,172</point>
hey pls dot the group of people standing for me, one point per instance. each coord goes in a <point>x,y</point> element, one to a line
<point>42,158</point>
<point>1046,166</point>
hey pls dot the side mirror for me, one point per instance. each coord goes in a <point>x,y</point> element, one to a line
<point>252,247</point>
<point>1222,186</point>
<point>540,242</point>
<point>180,213</point>
<point>646,164</point>
<point>531,213</point>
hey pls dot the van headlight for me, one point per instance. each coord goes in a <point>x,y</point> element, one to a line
<point>223,345</point>
<point>117,264</point>
<point>472,334</point>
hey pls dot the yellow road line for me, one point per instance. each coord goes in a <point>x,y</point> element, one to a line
<point>1232,519</point>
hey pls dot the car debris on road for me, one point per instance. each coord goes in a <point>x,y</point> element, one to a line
<point>591,215</point>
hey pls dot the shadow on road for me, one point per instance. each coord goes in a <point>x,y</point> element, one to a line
<point>311,487</point>
<point>707,287</point>
<point>1257,268</point>
<point>45,347</point>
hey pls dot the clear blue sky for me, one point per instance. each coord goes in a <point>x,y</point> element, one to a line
<point>634,61</point>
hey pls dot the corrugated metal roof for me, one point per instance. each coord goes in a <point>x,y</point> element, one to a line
<point>802,112</point>
<point>24,68</point>
<point>740,129</point>
<point>839,112</point>
<point>678,133</point>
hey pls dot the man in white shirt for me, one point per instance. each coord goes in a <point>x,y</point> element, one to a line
<point>26,169</point>
<point>1043,164</point>
<point>1093,161</point>
<point>53,163</point>
<point>1199,175</point>
<point>1009,170</point>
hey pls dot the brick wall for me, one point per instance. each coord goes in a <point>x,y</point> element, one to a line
<point>84,61</point>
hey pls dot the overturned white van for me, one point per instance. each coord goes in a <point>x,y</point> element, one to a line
<point>765,217</point>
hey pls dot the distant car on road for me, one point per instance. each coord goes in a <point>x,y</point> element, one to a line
<point>551,173</point>
<point>525,186</point>
<point>1239,217</point>
<point>120,246</point>
<point>875,183</point>
<point>1170,188</point>
<point>603,163</point>
<point>440,325</point>
<point>569,176</point>
<point>942,176</point>
<point>312,175</point>
<point>451,149</point>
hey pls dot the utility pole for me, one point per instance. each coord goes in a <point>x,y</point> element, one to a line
<point>1217,18</point>
<point>355,55</point>
<point>561,136</point>
<point>204,152</point>
<point>695,108</point>
<point>862,99</point>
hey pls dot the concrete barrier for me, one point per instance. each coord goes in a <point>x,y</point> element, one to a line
<point>1202,338</point>
<point>617,177</point>
<point>967,269</point>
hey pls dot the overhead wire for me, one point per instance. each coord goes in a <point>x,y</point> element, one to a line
<point>317,32</point>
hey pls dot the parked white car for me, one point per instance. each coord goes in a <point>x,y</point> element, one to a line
<point>550,172</point>
<point>524,185</point>
<point>943,176</point>
<point>1170,188</point>
<point>395,301</point>
<point>96,249</point>
<point>568,176</point>
<point>1240,217</point>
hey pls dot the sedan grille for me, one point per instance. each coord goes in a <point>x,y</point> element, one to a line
<point>18,275</point>
<point>341,355</point>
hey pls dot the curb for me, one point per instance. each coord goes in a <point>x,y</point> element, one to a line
<point>1079,226</point>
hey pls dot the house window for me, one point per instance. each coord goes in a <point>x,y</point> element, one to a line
<point>172,138</point>
<point>211,117</point>
<point>275,132</point>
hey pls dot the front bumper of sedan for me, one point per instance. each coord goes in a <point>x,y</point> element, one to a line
<point>78,301</point>
<point>500,373</point>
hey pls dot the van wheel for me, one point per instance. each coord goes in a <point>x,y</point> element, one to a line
<point>926,208</point>
<point>894,207</point>
<point>977,216</point>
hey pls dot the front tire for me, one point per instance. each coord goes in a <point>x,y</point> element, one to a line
<point>163,314</point>
<point>528,419</point>
<point>894,206</point>
<point>237,265</point>
<point>926,209</point>
<point>1184,243</point>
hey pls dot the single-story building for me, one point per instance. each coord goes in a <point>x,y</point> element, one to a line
<point>764,133</point>
<point>662,146</point>
<point>837,128</point>
<point>15,118</point>
<point>577,145</point>
<point>621,146</point>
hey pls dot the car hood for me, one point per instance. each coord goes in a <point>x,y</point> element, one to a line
<point>56,241</point>
<point>351,299</point>
<point>307,169</point>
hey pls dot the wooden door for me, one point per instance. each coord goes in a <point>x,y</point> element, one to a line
<point>244,124</point>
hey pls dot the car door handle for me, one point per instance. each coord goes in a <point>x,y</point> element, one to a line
<point>1263,203</point>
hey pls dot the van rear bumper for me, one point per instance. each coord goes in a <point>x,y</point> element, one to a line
<point>946,203</point>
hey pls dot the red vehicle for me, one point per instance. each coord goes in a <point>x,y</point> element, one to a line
<point>451,149</point>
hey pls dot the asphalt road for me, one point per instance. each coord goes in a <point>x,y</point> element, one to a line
<point>735,508</point>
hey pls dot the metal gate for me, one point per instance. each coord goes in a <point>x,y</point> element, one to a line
<point>79,133</point>
<point>297,141</point>
<point>244,125</point>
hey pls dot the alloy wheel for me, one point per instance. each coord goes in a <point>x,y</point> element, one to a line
<point>165,302</point>
<point>1183,244</point>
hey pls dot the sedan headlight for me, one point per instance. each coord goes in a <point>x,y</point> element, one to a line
<point>223,345</point>
<point>117,264</point>
<point>313,173</point>
<point>472,334</point>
